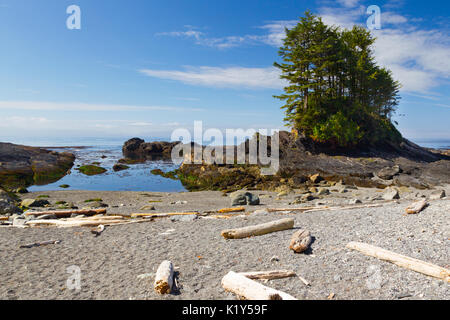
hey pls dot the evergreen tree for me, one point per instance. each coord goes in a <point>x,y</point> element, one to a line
<point>336,93</point>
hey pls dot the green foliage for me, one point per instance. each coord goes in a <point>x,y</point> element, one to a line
<point>336,93</point>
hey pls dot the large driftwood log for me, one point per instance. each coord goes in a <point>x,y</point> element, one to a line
<point>327,208</point>
<point>300,241</point>
<point>67,213</point>
<point>269,275</point>
<point>250,289</point>
<point>164,278</point>
<point>259,229</point>
<point>417,207</point>
<point>74,223</point>
<point>401,260</point>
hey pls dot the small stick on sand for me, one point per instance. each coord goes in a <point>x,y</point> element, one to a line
<point>300,241</point>
<point>401,260</point>
<point>230,210</point>
<point>164,278</point>
<point>250,289</point>
<point>417,207</point>
<point>258,230</point>
<point>268,275</point>
<point>39,244</point>
<point>67,213</point>
<point>304,281</point>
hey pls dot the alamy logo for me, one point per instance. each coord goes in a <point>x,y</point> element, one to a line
<point>74,281</point>
<point>374,21</point>
<point>74,20</point>
<point>256,150</point>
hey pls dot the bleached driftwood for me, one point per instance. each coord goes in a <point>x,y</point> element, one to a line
<point>259,229</point>
<point>39,244</point>
<point>230,210</point>
<point>67,213</point>
<point>326,208</point>
<point>164,278</point>
<point>304,281</point>
<point>300,241</point>
<point>269,275</point>
<point>74,223</point>
<point>161,215</point>
<point>250,289</point>
<point>402,261</point>
<point>417,207</point>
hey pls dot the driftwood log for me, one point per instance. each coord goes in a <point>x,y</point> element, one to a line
<point>250,289</point>
<point>230,210</point>
<point>401,260</point>
<point>161,215</point>
<point>417,207</point>
<point>164,278</point>
<point>259,229</point>
<point>67,213</point>
<point>300,241</point>
<point>268,275</point>
<point>75,222</point>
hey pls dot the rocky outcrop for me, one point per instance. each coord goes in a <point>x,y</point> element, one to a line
<point>138,149</point>
<point>303,162</point>
<point>23,166</point>
<point>7,204</point>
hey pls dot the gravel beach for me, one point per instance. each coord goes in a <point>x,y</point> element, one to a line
<point>122,261</point>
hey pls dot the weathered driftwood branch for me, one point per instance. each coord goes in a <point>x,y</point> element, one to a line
<point>416,207</point>
<point>268,275</point>
<point>250,289</point>
<point>230,210</point>
<point>161,215</point>
<point>258,230</point>
<point>74,223</point>
<point>38,244</point>
<point>164,278</point>
<point>346,207</point>
<point>67,213</point>
<point>401,260</point>
<point>300,241</point>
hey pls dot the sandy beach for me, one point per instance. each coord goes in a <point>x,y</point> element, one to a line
<point>121,262</point>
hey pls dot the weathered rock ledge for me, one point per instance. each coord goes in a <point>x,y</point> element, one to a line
<point>300,158</point>
<point>23,166</point>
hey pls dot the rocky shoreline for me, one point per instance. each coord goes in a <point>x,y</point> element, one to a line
<point>406,165</point>
<point>23,166</point>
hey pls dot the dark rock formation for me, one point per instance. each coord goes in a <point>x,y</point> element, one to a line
<point>301,158</point>
<point>138,149</point>
<point>7,204</point>
<point>22,166</point>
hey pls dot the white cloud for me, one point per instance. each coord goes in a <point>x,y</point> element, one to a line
<point>348,3</point>
<point>392,18</point>
<point>418,58</point>
<point>76,106</point>
<point>231,77</point>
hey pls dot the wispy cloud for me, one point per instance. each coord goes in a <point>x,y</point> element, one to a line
<point>76,106</point>
<point>273,36</point>
<point>231,77</point>
<point>419,58</point>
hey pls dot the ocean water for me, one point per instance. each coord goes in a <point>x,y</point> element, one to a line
<point>137,178</point>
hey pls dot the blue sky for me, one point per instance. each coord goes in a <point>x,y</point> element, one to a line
<point>145,68</point>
